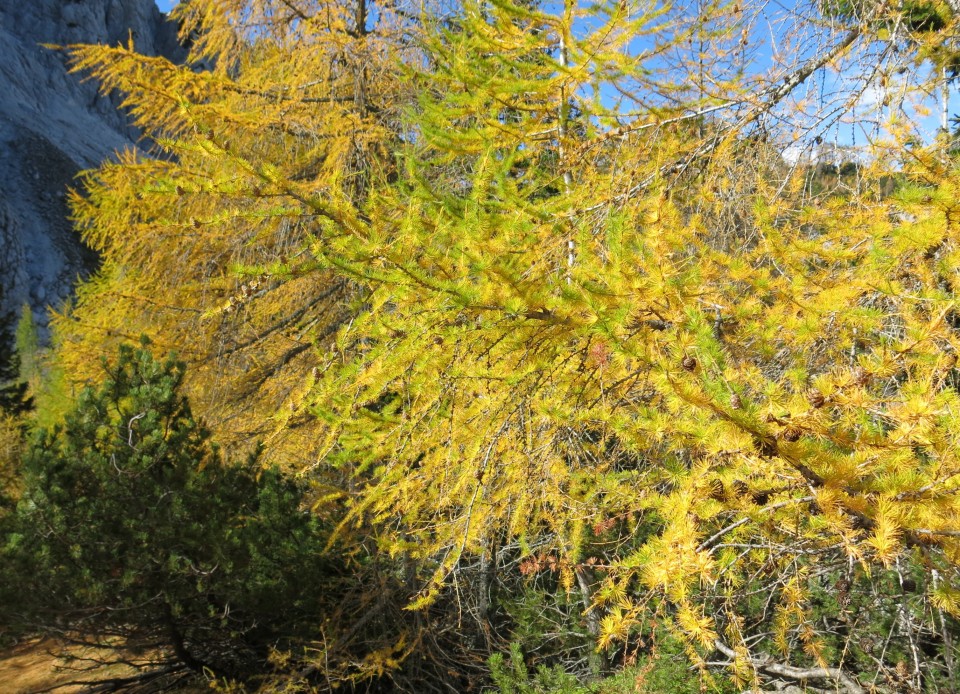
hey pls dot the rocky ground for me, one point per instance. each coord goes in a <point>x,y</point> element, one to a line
<point>37,665</point>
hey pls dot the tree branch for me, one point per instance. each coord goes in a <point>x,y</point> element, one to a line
<point>795,673</point>
<point>768,99</point>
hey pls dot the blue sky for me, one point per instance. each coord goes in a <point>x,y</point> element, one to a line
<point>843,134</point>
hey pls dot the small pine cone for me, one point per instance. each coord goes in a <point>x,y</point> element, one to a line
<point>950,360</point>
<point>861,376</point>
<point>740,488</point>
<point>843,592</point>
<point>815,398</point>
<point>791,434</point>
<point>717,491</point>
<point>735,402</point>
<point>639,323</point>
<point>688,363</point>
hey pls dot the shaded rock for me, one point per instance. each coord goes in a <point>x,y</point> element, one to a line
<point>52,125</point>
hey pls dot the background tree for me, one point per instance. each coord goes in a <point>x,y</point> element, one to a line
<point>133,534</point>
<point>14,373</point>
<point>202,245</point>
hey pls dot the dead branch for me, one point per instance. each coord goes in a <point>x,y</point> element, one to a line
<point>795,673</point>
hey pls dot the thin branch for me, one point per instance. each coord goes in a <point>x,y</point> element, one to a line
<point>795,673</point>
<point>706,544</point>
<point>767,100</point>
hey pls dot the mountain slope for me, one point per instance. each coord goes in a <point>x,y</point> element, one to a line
<point>52,125</point>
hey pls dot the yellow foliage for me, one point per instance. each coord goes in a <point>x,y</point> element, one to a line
<point>434,276</point>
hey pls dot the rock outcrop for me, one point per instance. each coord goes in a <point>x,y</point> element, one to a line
<point>53,125</point>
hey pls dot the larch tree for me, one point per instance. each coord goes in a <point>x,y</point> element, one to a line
<point>281,118</point>
<point>536,279</point>
<point>565,359</point>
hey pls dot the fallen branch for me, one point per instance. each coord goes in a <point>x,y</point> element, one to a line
<point>796,673</point>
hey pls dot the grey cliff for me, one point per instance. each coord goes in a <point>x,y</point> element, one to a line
<point>53,125</point>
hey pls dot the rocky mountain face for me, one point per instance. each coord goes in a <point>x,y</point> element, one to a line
<point>53,125</point>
